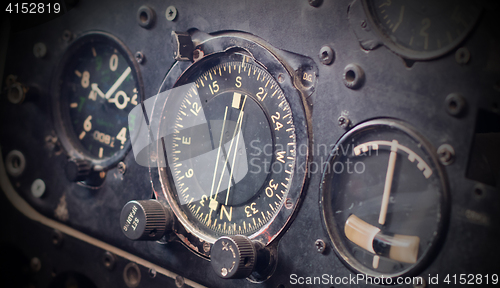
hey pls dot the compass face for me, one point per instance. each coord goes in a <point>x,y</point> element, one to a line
<point>232,152</point>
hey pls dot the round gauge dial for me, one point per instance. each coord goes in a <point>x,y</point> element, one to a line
<point>97,87</point>
<point>232,152</point>
<point>422,29</point>
<point>383,199</point>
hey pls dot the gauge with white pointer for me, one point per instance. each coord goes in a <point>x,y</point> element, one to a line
<point>384,199</point>
<point>97,86</point>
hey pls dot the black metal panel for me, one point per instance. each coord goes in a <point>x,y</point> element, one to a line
<point>392,88</point>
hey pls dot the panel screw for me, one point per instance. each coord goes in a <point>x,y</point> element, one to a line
<point>320,246</point>
<point>462,56</point>
<point>67,35</point>
<point>179,281</point>
<point>57,238</point>
<point>152,272</point>
<point>35,264</point>
<point>139,57</point>
<point>122,168</point>
<point>39,50</point>
<point>281,78</point>
<point>288,203</point>
<point>16,93</point>
<point>446,154</point>
<point>455,104</point>
<point>363,24</point>
<point>315,3</point>
<point>38,188</point>
<point>109,260</point>
<point>15,163</point>
<point>171,13</point>
<point>326,55</point>
<point>206,247</point>
<point>343,122</point>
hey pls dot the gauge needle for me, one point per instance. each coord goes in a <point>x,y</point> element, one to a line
<point>118,83</point>
<point>96,89</point>
<point>388,182</point>
<point>234,157</point>
<point>218,152</point>
<point>403,248</point>
<point>238,124</point>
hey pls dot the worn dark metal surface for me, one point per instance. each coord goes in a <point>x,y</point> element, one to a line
<point>413,93</point>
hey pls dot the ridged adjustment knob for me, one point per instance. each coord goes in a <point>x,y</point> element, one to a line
<point>233,257</point>
<point>144,220</point>
<point>77,169</point>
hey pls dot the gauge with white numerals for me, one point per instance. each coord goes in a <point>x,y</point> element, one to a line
<point>97,86</point>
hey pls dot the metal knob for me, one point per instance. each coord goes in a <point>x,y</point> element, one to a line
<point>233,257</point>
<point>78,169</point>
<point>144,220</point>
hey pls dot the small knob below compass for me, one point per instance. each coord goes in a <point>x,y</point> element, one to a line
<point>78,169</point>
<point>233,257</point>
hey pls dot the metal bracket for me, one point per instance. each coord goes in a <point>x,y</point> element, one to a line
<point>183,46</point>
<point>361,27</point>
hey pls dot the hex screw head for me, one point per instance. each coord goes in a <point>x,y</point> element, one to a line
<point>343,122</point>
<point>320,246</point>
<point>326,55</point>
<point>446,154</point>
<point>171,13</point>
<point>139,57</point>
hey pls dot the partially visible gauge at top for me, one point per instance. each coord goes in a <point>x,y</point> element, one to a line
<point>422,30</point>
<point>97,84</point>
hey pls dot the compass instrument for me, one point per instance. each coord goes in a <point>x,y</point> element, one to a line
<point>384,199</point>
<point>233,163</point>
